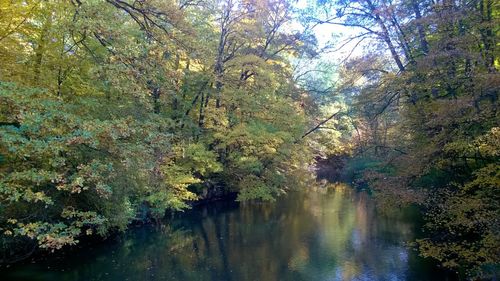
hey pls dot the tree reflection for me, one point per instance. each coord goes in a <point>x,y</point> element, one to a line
<point>327,233</point>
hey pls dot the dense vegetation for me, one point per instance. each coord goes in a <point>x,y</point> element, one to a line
<point>113,111</point>
<point>425,103</point>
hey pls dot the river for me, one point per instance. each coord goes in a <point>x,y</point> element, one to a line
<point>321,234</point>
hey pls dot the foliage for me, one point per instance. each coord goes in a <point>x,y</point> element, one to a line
<point>425,105</point>
<point>111,111</point>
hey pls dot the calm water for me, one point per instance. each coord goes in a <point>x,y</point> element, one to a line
<point>318,235</point>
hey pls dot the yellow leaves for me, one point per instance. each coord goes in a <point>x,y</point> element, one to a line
<point>486,181</point>
<point>486,145</point>
<point>40,196</point>
<point>254,140</point>
<point>254,188</point>
<point>216,119</point>
<point>489,144</point>
<point>15,14</point>
<point>55,242</point>
<point>269,149</point>
<point>468,218</point>
<point>88,141</point>
<point>75,186</point>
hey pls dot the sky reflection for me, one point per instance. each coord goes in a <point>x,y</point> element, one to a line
<point>333,234</point>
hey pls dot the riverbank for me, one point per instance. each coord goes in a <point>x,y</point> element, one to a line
<point>210,194</point>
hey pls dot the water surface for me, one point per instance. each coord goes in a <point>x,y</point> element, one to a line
<point>333,234</point>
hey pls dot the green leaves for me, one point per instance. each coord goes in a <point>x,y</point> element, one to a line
<point>108,112</point>
<point>433,123</point>
<point>254,188</point>
<point>184,167</point>
<point>63,166</point>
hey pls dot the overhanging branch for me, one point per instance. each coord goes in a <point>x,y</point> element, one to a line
<point>320,124</point>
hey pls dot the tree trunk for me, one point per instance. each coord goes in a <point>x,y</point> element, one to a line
<point>201,119</point>
<point>40,49</point>
<point>219,60</point>
<point>386,37</point>
<point>404,40</point>
<point>487,34</point>
<point>424,45</point>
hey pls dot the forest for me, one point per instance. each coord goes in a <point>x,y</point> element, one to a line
<point>116,112</point>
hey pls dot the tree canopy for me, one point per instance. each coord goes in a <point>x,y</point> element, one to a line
<point>114,111</point>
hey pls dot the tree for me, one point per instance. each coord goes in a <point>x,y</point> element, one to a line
<point>107,115</point>
<point>427,122</point>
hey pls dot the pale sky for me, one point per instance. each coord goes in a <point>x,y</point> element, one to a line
<point>324,34</point>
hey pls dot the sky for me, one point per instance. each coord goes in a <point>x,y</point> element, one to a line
<point>332,36</point>
<point>327,34</point>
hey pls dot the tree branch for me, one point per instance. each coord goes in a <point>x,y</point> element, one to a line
<point>320,124</point>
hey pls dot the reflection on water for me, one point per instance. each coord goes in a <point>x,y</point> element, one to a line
<point>332,234</point>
